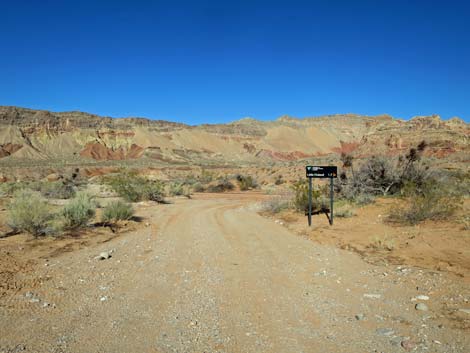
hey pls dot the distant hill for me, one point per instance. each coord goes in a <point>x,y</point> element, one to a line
<point>44,135</point>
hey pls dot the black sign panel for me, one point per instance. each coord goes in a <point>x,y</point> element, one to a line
<point>321,172</point>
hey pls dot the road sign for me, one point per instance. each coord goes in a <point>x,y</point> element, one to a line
<point>321,172</point>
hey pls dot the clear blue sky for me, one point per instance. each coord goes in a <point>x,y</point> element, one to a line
<point>218,61</point>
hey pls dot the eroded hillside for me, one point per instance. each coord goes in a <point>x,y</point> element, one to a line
<point>27,134</point>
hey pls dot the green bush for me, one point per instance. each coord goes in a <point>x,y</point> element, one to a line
<point>176,189</point>
<point>432,200</point>
<point>79,211</point>
<point>300,200</point>
<point>134,188</point>
<point>246,182</point>
<point>9,188</point>
<point>117,211</point>
<point>279,180</point>
<point>206,176</point>
<point>29,212</point>
<point>198,187</point>
<point>221,186</point>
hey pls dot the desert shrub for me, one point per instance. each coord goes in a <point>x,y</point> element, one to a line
<point>29,212</point>
<point>343,212</point>
<point>190,180</point>
<point>9,188</point>
<point>465,221</point>
<point>206,176</point>
<point>153,191</point>
<point>300,199</point>
<point>198,187</point>
<point>176,189</point>
<point>117,211</point>
<point>61,189</point>
<point>79,211</point>
<point>362,199</point>
<point>221,185</point>
<point>275,205</point>
<point>383,243</point>
<point>382,176</point>
<point>179,189</point>
<point>54,189</point>
<point>432,200</point>
<point>246,182</point>
<point>279,180</point>
<point>134,188</point>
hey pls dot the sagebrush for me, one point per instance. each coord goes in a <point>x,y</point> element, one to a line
<point>432,200</point>
<point>134,188</point>
<point>79,211</point>
<point>117,211</point>
<point>29,212</point>
<point>246,182</point>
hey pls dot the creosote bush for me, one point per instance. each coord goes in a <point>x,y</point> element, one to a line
<point>198,187</point>
<point>78,212</point>
<point>432,200</point>
<point>300,200</point>
<point>134,188</point>
<point>117,211</point>
<point>221,185</point>
<point>279,180</point>
<point>246,182</point>
<point>176,189</point>
<point>29,212</point>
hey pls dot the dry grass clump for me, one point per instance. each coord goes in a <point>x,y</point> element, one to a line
<point>383,243</point>
<point>275,205</point>
<point>344,212</point>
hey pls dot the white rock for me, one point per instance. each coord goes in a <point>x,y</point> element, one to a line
<point>103,255</point>
<point>421,297</point>
<point>372,296</point>
<point>421,307</point>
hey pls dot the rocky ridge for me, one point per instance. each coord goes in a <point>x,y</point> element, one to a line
<point>39,134</point>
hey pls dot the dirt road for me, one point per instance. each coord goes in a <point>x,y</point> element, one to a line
<point>210,275</point>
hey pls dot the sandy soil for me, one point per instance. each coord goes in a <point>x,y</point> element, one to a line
<point>435,245</point>
<point>211,275</point>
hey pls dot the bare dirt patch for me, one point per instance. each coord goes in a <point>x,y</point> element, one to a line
<point>435,245</point>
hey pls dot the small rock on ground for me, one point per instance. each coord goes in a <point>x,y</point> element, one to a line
<point>421,307</point>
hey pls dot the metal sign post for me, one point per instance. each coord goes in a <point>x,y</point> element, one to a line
<point>321,173</point>
<point>309,202</point>
<point>331,201</point>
